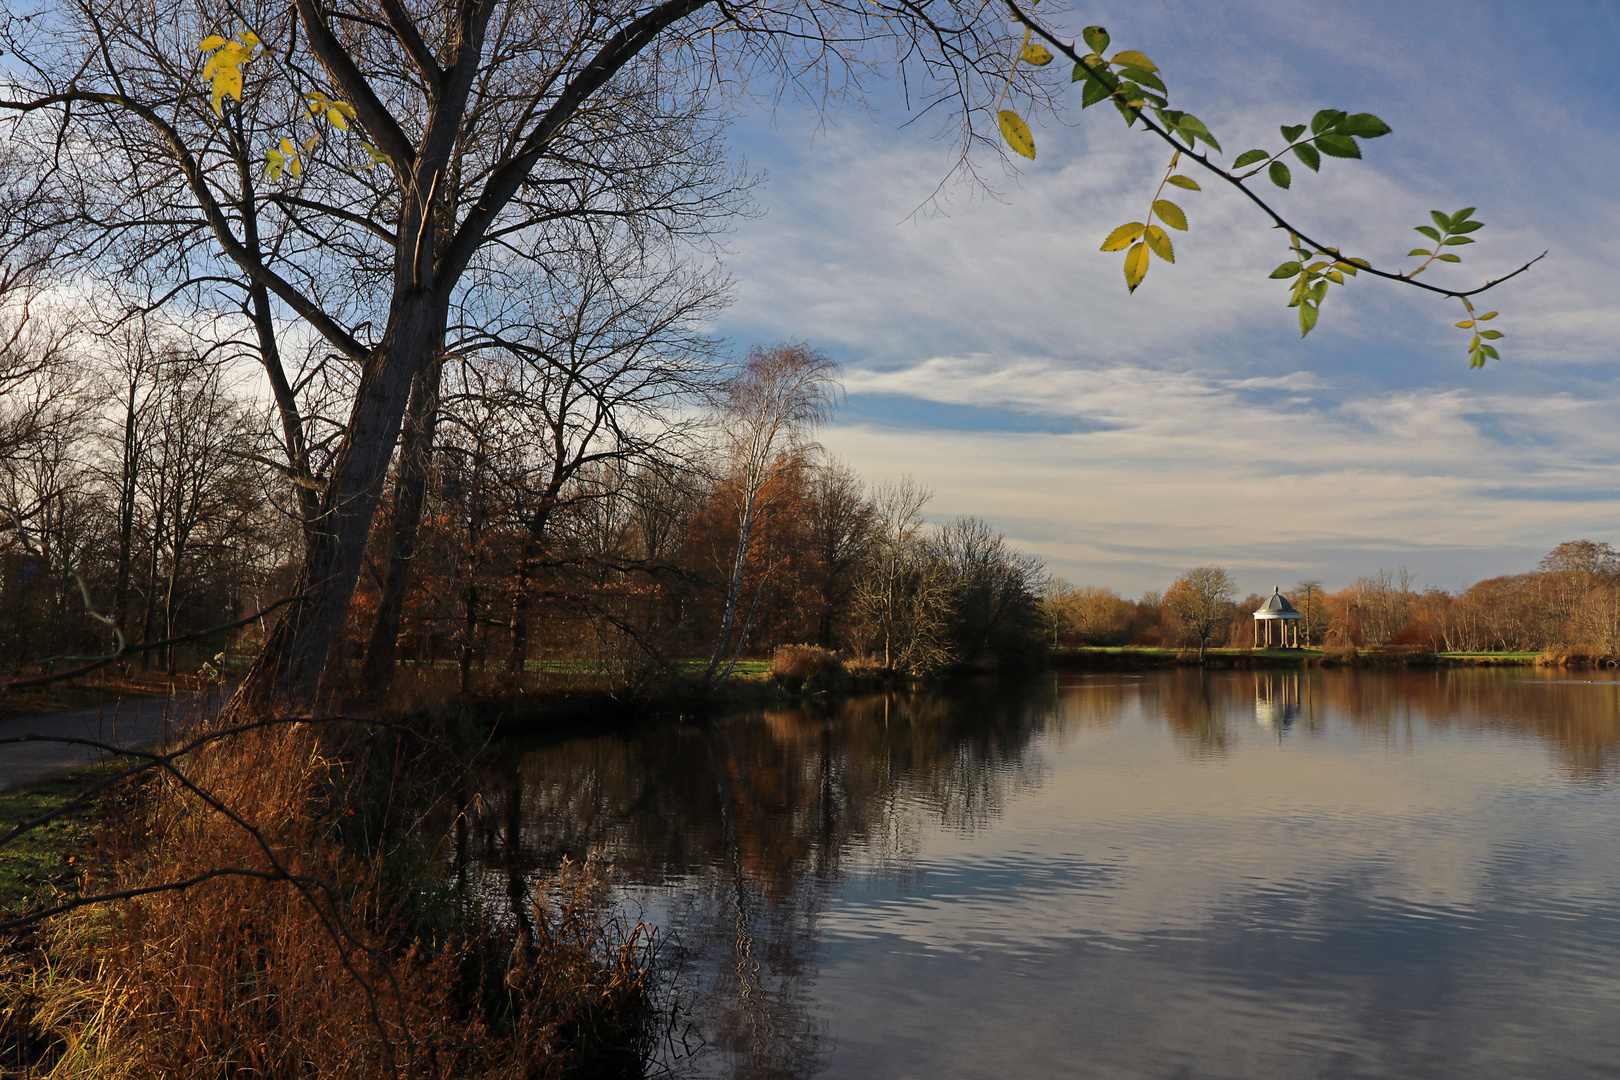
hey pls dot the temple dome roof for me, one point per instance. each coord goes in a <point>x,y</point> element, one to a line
<point>1276,607</point>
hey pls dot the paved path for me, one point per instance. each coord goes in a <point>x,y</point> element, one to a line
<point>137,722</point>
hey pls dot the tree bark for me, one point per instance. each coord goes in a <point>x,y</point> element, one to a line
<point>291,672</point>
<point>410,491</point>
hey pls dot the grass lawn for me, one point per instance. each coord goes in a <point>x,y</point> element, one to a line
<point>43,865</point>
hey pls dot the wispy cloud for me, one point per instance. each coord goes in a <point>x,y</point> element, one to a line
<point>992,350</point>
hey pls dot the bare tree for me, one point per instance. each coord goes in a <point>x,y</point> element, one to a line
<point>594,361</point>
<point>1311,622</point>
<point>842,524</point>
<point>782,393</point>
<point>903,601</point>
<point>452,129</point>
<point>1201,600</point>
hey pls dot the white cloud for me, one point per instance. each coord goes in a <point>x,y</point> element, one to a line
<point>1198,407</point>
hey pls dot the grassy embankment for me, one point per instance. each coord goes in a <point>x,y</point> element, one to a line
<point>368,960</point>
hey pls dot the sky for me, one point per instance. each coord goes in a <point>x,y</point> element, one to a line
<point>990,350</point>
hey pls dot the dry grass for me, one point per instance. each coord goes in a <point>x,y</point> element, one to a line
<point>798,666</point>
<point>325,975</point>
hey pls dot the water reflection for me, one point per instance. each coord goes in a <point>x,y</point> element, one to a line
<point>1272,873</point>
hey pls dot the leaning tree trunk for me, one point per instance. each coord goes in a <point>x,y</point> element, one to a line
<point>410,492</point>
<point>291,672</point>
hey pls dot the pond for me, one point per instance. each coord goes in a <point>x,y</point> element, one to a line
<point>1162,874</point>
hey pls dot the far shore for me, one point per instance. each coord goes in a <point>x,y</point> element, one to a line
<point>1128,657</point>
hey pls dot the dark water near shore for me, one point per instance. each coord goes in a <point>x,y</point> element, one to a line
<point>1167,874</point>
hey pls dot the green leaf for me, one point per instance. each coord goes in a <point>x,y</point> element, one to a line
<point>1335,277</point>
<point>1016,132</point>
<point>1170,214</point>
<point>1279,174</point>
<point>1125,111</point>
<point>1136,266</point>
<point>1145,77</point>
<point>1307,153</point>
<point>1159,241</point>
<point>1441,220</point>
<point>1491,334</point>
<point>1194,129</point>
<point>1286,270</point>
<point>1325,119</point>
<point>1449,258</point>
<point>1453,241</point>
<point>1249,157</point>
<point>1132,58</point>
<point>1417,251</point>
<point>1363,125</point>
<point>1139,97</point>
<point>1093,92</point>
<point>1186,182</point>
<point>1490,351</point>
<point>1096,38</point>
<point>1292,131</point>
<point>1467,226</point>
<point>1339,146</point>
<point>1460,216</point>
<point>1122,237</point>
<point>1428,230</point>
<point>1307,318</point>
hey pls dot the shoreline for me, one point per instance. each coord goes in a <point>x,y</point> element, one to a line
<point>1132,658</point>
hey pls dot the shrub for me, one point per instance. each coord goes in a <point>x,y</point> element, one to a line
<point>799,666</point>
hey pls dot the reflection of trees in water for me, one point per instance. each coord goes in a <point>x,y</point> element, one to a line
<point>750,821</point>
<point>1196,707</point>
<point>1578,720</point>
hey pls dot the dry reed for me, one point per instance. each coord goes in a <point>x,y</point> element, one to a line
<point>310,968</point>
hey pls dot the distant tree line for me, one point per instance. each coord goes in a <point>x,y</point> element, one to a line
<point>1571,601</point>
<point>603,495</point>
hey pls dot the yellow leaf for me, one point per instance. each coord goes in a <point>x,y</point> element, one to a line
<point>1136,266</point>
<point>1016,132</point>
<point>311,143</point>
<point>1466,324</point>
<point>1185,182</point>
<point>224,71</point>
<point>288,148</point>
<point>295,167</point>
<point>1132,58</point>
<point>1122,237</point>
<point>1170,214</point>
<point>249,38</point>
<point>1036,54</point>
<point>335,118</point>
<point>1159,241</point>
<point>1489,315</point>
<point>377,156</point>
<point>212,41</point>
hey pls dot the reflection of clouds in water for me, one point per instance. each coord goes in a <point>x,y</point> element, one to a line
<point>1414,876</point>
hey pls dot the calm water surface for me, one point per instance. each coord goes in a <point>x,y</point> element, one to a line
<point>1166,874</point>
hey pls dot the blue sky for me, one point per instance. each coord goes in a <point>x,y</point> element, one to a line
<point>992,352</point>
